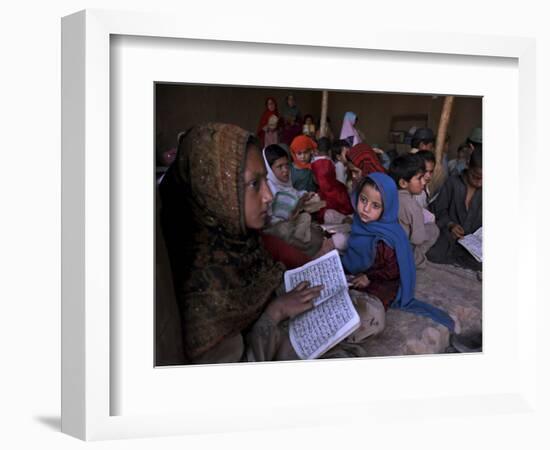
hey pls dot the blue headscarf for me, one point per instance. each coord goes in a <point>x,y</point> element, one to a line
<point>362,250</point>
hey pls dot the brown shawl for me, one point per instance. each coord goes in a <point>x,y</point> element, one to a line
<point>223,276</point>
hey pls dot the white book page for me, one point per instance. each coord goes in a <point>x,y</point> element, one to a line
<point>321,328</point>
<point>479,233</point>
<point>326,270</point>
<point>474,244</point>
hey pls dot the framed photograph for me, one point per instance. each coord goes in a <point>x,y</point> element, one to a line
<point>117,70</point>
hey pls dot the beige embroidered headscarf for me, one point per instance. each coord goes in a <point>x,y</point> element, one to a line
<point>224,276</point>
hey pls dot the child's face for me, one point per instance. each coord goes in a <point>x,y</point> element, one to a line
<point>309,121</point>
<point>257,194</point>
<point>474,177</point>
<point>369,204</point>
<point>426,146</point>
<point>415,185</point>
<point>304,156</point>
<point>281,169</point>
<point>430,166</point>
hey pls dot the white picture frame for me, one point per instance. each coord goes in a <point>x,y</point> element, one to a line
<point>88,388</point>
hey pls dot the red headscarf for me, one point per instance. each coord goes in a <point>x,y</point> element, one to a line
<point>364,157</point>
<point>330,189</point>
<point>298,145</point>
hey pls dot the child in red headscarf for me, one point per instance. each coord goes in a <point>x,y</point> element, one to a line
<point>302,148</point>
<point>333,192</point>
<point>270,110</point>
<point>364,158</point>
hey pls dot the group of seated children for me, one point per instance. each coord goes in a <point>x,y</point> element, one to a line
<point>387,221</point>
<point>227,286</point>
<point>312,181</point>
<point>392,234</point>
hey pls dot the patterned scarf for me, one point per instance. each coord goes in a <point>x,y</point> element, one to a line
<point>363,156</point>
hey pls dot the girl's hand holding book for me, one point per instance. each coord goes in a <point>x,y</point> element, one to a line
<point>293,303</point>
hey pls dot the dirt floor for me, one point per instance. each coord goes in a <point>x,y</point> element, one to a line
<point>456,290</point>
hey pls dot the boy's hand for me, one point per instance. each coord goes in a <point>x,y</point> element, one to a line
<point>456,231</point>
<point>360,281</point>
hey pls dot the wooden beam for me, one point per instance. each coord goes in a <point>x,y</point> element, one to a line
<point>324,109</point>
<point>439,175</point>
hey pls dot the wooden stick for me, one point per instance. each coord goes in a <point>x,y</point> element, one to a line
<point>439,175</point>
<point>324,109</point>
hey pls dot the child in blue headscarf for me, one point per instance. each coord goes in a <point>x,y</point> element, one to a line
<point>376,240</point>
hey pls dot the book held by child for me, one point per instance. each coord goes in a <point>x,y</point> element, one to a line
<point>474,244</point>
<point>333,317</point>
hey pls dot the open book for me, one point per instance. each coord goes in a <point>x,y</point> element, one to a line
<point>333,318</point>
<point>474,244</point>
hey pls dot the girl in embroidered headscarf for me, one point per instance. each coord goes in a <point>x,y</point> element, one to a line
<point>288,218</point>
<point>349,132</point>
<point>302,148</point>
<point>215,202</point>
<point>270,110</point>
<point>377,242</point>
